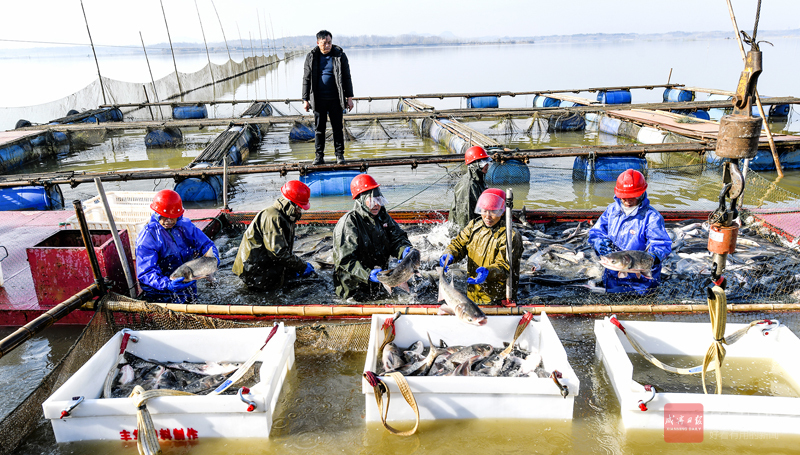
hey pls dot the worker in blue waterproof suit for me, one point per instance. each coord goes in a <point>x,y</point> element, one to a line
<point>166,242</point>
<point>629,223</point>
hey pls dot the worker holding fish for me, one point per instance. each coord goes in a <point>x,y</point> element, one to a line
<point>168,241</point>
<point>265,259</point>
<point>483,243</point>
<point>630,238</point>
<point>363,241</point>
<point>469,188</point>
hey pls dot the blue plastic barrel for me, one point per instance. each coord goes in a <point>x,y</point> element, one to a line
<point>700,113</point>
<point>614,97</point>
<point>40,140</point>
<point>482,102</point>
<point>196,190</point>
<point>572,122</point>
<point>15,155</point>
<point>511,172</point>
<point>565,103</point>
<point>31,198</point>
<point>779,111</point>
<point>674,95</point>
<point>189,112</point>
<point>545,101</point>
<point>605,168</point>
<point>163,137</point>
<point>301,133</point>
<point>329,183</point>
<point>111,114</point>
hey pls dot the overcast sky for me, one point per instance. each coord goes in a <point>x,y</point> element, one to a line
<point>115,22</point>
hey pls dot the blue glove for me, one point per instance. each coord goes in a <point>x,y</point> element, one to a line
<point>308,271</point>
<point>178,284</point>
<point>373,275</point>
<point>405,252</point>
<point>605,246</point>
<point>482,272</point>
<point>445,260</point>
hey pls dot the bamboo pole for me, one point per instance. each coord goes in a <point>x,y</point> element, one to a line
<point>91,42</point>
<point>317,311</point>
<point>174,63</point>
<point>210,69</point>
<point>147,98</point>
<point>155,92</point>
<point>223,30</point>
<point>772,148</point>
<point>413,161</point>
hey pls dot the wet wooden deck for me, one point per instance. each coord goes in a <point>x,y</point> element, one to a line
<point>21,230</point>
<point>13,136</point>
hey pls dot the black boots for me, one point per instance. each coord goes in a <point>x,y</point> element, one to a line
<point>320,159</point>
<point>340,158</point>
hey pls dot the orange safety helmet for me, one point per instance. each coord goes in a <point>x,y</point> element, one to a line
<point>475,153</point>
<point>630,184</point>
<point>491,199</point>
<point>297,192</point>
<point>167,203</point>
<point>361,183</point>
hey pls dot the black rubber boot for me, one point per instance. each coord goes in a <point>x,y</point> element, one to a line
<point>340,158</point>
<point>320,159</point>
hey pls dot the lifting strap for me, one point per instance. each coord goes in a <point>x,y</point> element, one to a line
<point>523,324</point>
<point>380,388</point>
<point>147,438</point>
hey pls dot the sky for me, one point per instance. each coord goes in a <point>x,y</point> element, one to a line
<point>117,23</point>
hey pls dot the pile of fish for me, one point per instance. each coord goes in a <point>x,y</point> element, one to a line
<point>196,378</point>
<point>476,360</point>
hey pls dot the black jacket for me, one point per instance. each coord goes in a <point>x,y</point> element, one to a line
<point>341,72</point>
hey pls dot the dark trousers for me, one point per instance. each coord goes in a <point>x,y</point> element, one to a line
<point>323,109</point>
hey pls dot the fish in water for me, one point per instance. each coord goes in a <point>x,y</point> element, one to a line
<point>639,263</point>
<point>457,303</point>
<point>399,276</point>
<point>202,267</point>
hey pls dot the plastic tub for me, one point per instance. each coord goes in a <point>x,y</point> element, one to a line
<point>329,183</point>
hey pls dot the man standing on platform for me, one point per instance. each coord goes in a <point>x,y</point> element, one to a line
<point>328,90</point>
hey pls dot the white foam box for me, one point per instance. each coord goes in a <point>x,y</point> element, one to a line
<point>738,413</point>
<point>469,397</point>
<point>178,417</point>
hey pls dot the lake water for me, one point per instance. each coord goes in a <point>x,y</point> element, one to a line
<point>321,408</point>
<point>409,71</point>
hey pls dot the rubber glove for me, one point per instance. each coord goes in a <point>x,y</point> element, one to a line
<point>604,247</point>
<point>373,275</point>
<point>178,284</point>
<point>445,260</point>
<point>308,271</point>
<point>482,272</point>
<point>405,252</point>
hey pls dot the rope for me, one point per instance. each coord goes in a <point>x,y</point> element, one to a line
<point>380,388</point>
<point>147,439</point>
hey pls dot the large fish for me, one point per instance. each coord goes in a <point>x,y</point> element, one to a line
<point>639,263</point>
<point>399,276</point>
<point>457,303</point>
<point>202,267</point>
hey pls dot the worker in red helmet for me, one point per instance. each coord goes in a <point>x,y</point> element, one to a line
<point>630,223</point>
<point>483,242</point>
<point>363,241</point>
<point>265,259</point>
<point>469,187</point>
<point>164,244</point>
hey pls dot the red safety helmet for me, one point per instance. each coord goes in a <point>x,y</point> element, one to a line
<point>361,183</point>
<point>475,153</point>
<point>297,192</point>
<point>167,203</point>
<point>630,184</point>
<point>491,199</point>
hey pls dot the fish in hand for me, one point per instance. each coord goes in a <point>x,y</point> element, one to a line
<point>399,276</point>
<point>639,263</point>
<point>202,267</point>
<point>457,303</point>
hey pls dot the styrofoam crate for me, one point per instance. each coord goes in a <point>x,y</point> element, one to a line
<point>208,416</point>
<point>131,211</point>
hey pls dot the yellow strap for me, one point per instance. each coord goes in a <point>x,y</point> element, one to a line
<point>147,439</point>
<point>718,312</point>
<point>517,332</point>
<point>402,384</point>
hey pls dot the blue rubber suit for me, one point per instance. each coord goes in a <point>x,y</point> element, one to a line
<point>642,230</point>
<point>160,251</point>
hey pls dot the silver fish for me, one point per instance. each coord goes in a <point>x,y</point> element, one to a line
<point>457,303</point>
<point>399,276</point>
<point>202,267</point>
<point>639,263</point>
<point>392,357</point>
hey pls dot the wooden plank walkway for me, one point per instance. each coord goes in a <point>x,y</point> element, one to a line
<point>13,136</point>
